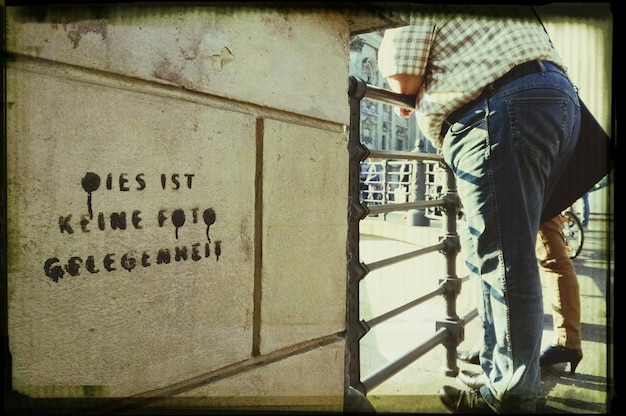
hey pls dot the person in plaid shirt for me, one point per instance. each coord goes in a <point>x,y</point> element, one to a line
<point>493,95</point>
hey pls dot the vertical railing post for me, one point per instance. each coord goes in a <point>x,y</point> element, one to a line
<point>384,185</point>
<point>418,216</point>
<point>452,282</point>
<point>356,211</point>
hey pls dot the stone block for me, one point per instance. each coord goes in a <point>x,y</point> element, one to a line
<point>305,185</point>
<point>269,56</point>
<point>311,380</point>
<point>130,236</point>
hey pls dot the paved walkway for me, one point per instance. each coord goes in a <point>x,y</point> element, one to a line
<point>414,389</point>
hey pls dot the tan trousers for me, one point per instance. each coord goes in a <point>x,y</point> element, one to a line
<point>562,282</point>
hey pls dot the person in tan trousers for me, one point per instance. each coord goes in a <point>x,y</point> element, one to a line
<point>564,293</point>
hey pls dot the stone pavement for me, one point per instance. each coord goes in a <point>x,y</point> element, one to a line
<point>590,390</point>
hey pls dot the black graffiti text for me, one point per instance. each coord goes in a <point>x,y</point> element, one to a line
<point>110,262</point>
<point>178,217</point>
<point>174,180</point>
<point>114,221</point>
<point>123,182</point>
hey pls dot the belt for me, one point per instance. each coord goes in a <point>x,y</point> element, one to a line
<point>530,67</point>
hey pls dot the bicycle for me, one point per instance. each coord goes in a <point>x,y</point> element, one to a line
<point>573,232</point>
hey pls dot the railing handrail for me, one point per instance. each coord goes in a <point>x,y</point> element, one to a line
<point>404,154</point>
<point>358,88</point>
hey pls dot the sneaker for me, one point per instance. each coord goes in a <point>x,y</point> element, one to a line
<point>469,356</point>
<point>463,401</point>
<point>472,379</point>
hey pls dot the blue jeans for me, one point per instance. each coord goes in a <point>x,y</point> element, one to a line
<point>507,153</point>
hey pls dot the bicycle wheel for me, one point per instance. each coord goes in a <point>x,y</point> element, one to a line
<point>574,236</point>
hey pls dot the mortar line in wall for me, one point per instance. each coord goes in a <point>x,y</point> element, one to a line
<point>258,240</point>
<point>124,82</point>
<point>147,398</point>
<point>254,363</point>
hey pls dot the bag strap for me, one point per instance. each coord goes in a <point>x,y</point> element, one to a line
<point>542,25</point>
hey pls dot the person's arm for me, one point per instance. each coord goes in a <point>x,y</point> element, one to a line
<point>403,56</point>
<point>405,84</point>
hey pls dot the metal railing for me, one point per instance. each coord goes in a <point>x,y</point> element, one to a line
<point>449,329</point>
<point>401,180</point>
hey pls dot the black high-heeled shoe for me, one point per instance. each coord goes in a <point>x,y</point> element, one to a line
<point>554,354</point>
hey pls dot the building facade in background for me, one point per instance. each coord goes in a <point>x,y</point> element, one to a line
<point>381,128</point>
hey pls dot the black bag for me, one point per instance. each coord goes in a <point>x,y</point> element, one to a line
<point>591,161</point>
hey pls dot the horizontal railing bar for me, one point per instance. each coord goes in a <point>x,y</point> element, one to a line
<point>405,154</point>
<point>395,367</point>
<point>382,95</point>
<point>393,162</point>
<point>395,312</point>
<point>404,206</point>
<point>405,256</point>
<point>464,278</point>
<point>387,372</point>
<point>470,315</point>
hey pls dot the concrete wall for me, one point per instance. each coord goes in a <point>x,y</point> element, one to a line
<point>177,203</point>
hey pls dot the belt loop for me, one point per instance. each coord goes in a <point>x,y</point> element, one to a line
<point>542,68</point>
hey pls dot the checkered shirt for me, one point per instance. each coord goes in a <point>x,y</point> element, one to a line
<point>460,50</point>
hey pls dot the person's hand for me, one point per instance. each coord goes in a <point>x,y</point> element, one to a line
<point>402,112</point>
<point>404,84</point>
